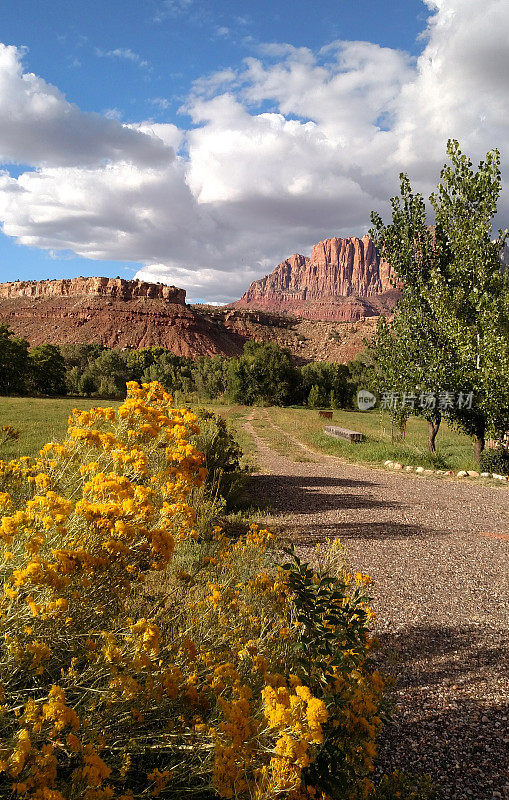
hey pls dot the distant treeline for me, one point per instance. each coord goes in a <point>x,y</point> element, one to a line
<point>265,373</point>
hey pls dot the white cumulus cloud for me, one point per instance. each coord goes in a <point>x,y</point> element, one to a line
<point>288,148</point>
<point>124,53</point>
<point>38,126</point>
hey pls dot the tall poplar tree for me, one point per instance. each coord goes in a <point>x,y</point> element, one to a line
<point>455,294</point>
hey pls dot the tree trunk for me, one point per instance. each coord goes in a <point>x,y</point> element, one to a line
<point>479,441</point>
<point>433,426</point>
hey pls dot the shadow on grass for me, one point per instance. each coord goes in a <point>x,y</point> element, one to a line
<point>447,724</point>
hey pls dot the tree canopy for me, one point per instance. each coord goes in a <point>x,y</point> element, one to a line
<point>450,332</point>
<point>13,362</point>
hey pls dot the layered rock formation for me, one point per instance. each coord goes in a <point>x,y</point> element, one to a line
<point>125,314</point>
<point>103,287</point>
<point>307,340</point>
<point>114,313</point>
<point>343,280</point>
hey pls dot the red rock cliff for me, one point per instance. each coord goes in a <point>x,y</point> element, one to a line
<point>103,287</point>
<point>114,313</point>
<point>344,279</point>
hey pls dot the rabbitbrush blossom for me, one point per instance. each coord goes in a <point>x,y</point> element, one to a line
<point>140,657</point>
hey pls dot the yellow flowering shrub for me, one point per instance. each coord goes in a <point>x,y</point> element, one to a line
<point>141,658</point>
<point>8,434</point>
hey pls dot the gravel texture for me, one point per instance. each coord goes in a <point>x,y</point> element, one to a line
<point>437,551</point>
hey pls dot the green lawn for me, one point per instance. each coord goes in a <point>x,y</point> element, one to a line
<point>41,420</point>
<point>454,450</point>
<point>236,416</point>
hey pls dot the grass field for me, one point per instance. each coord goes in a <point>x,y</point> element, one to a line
<point>236,416</point>
<point>454,450</point>
<point>41,420</point>
<point>265,427</point>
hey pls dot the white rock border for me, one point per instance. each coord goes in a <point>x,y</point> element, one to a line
<point>445,473</point>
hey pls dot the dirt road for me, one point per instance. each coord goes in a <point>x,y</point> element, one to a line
<point>437,552</point>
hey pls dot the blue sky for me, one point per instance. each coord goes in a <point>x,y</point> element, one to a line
<point>254,128</point>
<point>181,41</point>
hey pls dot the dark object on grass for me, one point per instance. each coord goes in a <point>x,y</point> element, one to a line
<point>343,433</point>
<point>326,414</point>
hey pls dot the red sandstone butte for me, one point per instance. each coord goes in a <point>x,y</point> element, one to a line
<point>343,280</point>
<point>112,312</point>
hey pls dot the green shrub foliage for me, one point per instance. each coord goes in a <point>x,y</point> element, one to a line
<point>495,460</point>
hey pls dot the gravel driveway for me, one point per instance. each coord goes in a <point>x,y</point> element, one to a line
<point>437,552</point>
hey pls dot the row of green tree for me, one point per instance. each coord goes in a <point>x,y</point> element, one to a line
<point>264,373</point>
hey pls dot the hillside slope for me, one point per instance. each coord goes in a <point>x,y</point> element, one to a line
<point>135,314</point>
<point>114,313</point>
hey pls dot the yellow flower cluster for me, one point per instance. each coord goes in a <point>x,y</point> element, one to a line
<point>297,717</point>
<point>233,751</point>
<point>140,657</point>
<point>58,712</point>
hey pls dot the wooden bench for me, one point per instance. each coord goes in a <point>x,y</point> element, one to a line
<point>344,433</point>
<point>326,414</point>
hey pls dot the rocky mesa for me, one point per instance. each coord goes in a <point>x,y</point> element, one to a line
<point>93,287</point>
<point>343,280</point>
<point>321,308</point>
<point>112,312</point>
